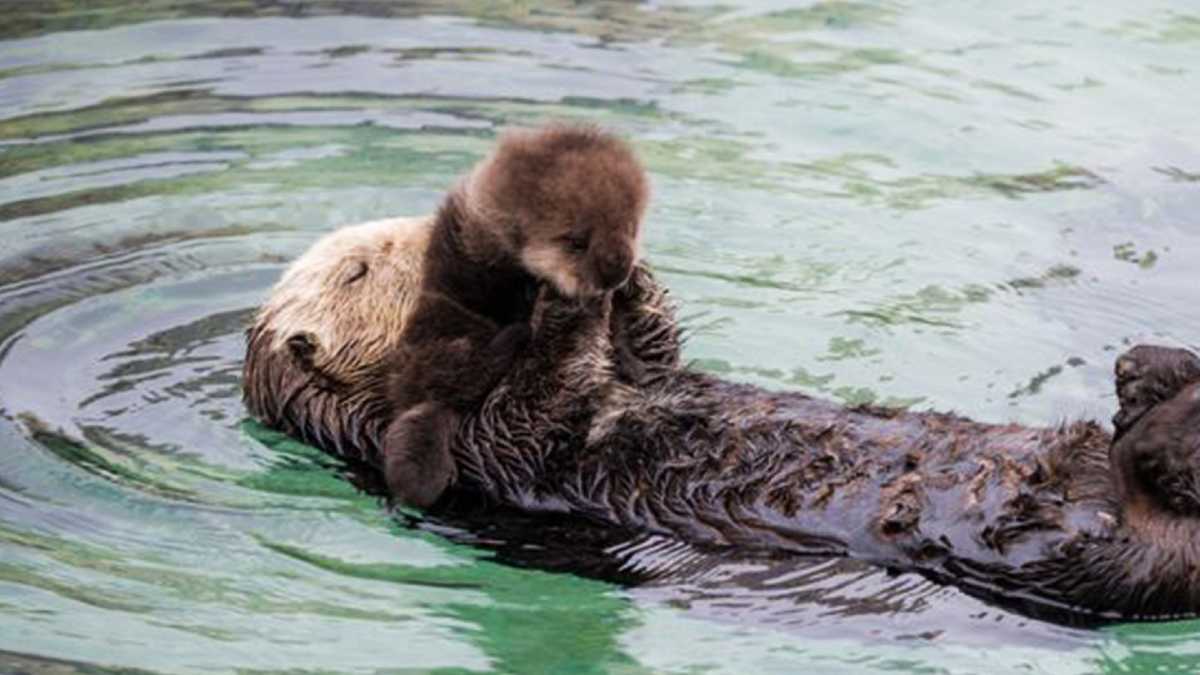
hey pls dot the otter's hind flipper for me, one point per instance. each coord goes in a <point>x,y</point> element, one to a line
<point>1159,458</point>
<point>1148,375</point>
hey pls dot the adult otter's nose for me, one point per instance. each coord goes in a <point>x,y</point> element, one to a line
<point>613,270</point>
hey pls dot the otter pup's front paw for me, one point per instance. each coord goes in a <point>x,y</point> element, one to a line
<point>639,287</point>
<point>1148,375</point>
<point>553,309</point>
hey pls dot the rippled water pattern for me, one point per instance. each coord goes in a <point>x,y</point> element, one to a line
<point>952,205</point>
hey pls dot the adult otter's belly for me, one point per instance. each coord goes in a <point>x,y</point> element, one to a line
<point>730,464</point>
<point>895,486</point>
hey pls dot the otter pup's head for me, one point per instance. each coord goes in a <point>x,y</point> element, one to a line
<point>568,201</point>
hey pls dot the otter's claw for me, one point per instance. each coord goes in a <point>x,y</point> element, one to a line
<point>1148,375</point>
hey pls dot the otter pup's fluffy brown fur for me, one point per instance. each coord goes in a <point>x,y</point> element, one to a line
<point>561,205</point>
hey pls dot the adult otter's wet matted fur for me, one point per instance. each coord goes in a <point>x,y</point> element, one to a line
<point>1055,521</point>
<point>560,205</point>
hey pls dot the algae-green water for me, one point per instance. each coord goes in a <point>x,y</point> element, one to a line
<point>969,206</point>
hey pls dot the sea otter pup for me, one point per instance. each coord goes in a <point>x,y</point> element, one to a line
<point>1059,522</point>
<point>560,205</point>
<point>324,345</point>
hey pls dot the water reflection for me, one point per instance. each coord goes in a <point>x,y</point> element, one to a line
<point>925,204</point>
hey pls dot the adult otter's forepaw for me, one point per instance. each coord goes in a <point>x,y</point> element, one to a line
<point>1148,375</point>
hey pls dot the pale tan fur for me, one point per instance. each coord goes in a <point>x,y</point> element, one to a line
<point>351,294</point>
<point>546,260</point>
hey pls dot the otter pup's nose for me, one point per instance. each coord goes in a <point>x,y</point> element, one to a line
<point>613,270</point>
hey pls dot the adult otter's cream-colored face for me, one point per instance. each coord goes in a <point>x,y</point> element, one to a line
<point>345,301</point>
<point>571,200</point>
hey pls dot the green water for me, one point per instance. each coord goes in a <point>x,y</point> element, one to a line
<point>954,205</point>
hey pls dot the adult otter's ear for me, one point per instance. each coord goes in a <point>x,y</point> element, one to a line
<point>303,347</point>
<point>1148,375</point>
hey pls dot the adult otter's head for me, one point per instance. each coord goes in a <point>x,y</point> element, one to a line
<point>568,201</point>
<point>341,307</point>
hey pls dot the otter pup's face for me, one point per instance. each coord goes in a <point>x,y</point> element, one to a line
<point>589,244</point>
<point>572,198</point>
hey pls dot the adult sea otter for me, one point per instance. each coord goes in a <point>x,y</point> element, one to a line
<point>597,418</point>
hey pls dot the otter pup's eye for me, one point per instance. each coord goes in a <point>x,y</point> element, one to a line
<point>576,243</point>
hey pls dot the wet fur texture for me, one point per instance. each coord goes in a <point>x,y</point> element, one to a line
<point>1057,522</point>
<point>559,205</point>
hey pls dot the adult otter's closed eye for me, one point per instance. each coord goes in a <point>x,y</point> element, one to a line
<point>561,205</point>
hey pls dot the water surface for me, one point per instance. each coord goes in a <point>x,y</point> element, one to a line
<point>945,205</point>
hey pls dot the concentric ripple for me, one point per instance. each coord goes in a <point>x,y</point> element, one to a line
<point>931,204</point>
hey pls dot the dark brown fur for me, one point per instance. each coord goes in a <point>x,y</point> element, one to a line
<point>563,206</point>
<point>1058,521</point>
